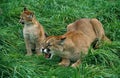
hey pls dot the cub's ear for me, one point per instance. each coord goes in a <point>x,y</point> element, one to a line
<point>25,9</point>
<point>31,15</point>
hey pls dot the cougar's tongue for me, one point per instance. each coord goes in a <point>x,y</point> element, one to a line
<point>47,55</point>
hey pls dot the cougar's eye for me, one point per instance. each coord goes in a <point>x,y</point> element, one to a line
<point>49,44</point>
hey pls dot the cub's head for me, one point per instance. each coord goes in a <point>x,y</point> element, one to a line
<point>53,45</point>
<point>26,16</point>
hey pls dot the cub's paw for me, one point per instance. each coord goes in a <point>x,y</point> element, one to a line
<point>74,65</point>
<point>28,54</point>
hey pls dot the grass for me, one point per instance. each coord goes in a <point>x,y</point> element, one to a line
<point>55,15</point>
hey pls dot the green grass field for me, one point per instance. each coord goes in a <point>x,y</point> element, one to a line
<point>55,15</point>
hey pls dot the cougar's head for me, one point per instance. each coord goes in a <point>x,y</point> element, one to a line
<point>52,46</point>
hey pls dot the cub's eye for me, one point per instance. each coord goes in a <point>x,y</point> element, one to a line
<point>21,18</point>
<point>29,16</point>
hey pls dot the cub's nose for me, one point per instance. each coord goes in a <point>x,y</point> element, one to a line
<point>22,22</point>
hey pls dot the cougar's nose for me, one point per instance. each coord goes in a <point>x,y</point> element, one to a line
<point>42,50</point>
<point>47,50</point>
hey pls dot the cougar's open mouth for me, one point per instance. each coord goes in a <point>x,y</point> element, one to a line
<point>47,55</point>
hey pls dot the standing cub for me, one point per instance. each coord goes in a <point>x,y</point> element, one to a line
<point>33,32</point>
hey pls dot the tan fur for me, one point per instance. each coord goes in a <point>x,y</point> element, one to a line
<point>33,32</point>
<point>73,45</point>
<point>70,46</point>
<point>91,27</point>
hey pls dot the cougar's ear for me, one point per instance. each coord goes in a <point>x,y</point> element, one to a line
<point>62,40</point>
